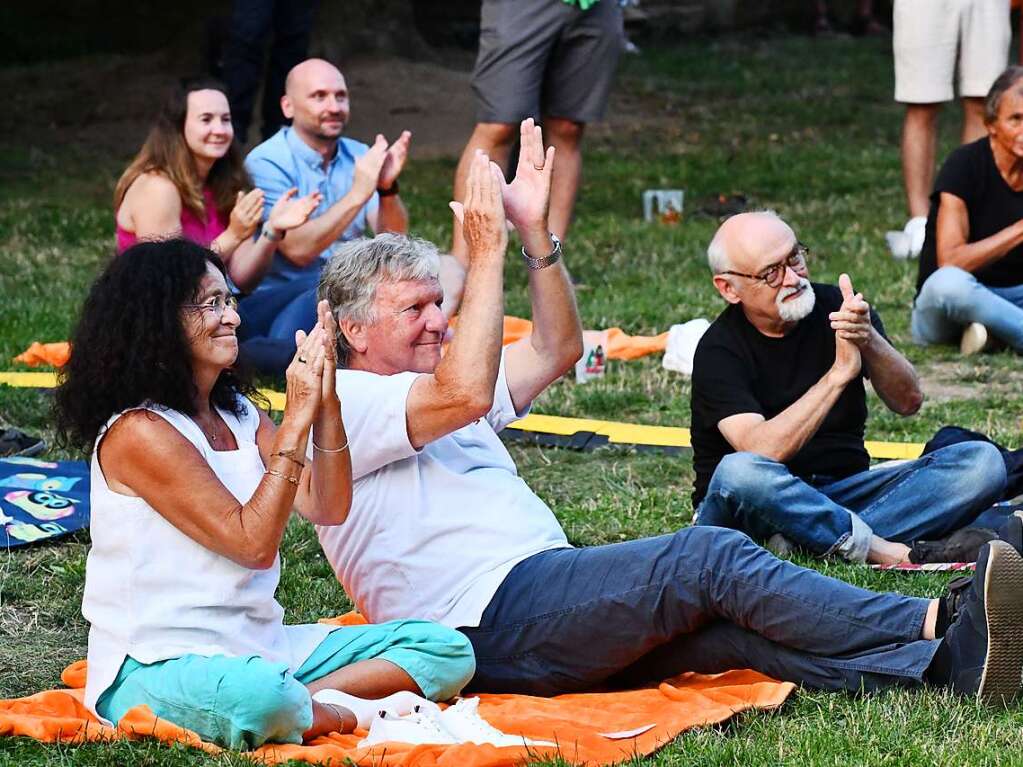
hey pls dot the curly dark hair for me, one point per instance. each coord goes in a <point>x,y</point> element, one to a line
<point>130,346</point>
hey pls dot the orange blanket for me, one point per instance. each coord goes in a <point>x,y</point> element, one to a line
<point>56,354</point>
<point>620,345</point>
<point>573,721</point>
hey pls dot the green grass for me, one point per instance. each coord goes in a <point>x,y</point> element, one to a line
<point>804,126</point>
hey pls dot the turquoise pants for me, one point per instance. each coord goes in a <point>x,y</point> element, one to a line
<point>243,702</point>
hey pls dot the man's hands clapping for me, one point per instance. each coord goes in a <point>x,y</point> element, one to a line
<point>381,165</point>
<point>528,196</point>
<point>481,215</point>
<point>853,330</point>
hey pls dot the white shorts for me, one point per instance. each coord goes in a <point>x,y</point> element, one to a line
<point>928,35</point>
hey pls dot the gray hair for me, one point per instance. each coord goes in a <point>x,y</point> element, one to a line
<point>717,255</point>
<point>356,269</point>
<point>1003,84</point>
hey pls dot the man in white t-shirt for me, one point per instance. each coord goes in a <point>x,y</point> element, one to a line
<point>442,527</point>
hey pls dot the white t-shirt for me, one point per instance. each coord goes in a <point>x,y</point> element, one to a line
<point>432,533</point>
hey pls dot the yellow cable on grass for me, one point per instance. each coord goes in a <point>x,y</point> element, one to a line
<point>617,433</point>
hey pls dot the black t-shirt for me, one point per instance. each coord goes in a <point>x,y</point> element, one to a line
<point>737,369</point>
<point>971,175</point>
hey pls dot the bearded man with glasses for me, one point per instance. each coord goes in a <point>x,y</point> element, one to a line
<point>778,413</point>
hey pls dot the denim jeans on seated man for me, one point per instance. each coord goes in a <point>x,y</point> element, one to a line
<point>269,319</point>
<point>952,298</point>
<point>703,599</point>
<point>923,499</point>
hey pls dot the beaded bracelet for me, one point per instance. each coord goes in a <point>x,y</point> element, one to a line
<point>282,475</point>
<point>331,449</point>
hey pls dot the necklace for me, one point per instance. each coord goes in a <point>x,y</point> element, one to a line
<point>211,435</point>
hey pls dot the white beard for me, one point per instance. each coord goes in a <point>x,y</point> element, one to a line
<point>799,307</point>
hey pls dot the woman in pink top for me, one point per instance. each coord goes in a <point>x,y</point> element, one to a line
<point>188,180</point>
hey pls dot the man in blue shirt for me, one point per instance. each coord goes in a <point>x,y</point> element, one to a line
<point>359,187</point>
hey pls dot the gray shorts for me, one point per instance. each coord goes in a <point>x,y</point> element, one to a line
<point>546,57</point>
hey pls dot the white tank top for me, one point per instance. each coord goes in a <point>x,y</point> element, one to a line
<point>153,593</point>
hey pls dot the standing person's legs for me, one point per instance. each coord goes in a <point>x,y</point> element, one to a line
<point>576,86</point>
<point>243,59</point>
<point>927,498</point>
<point>292,25</point>
<point>565,136</point>
<point>568,619</point>
<point>919,147</point>
<point>925,41</point>
<point>952,298</point>
<point>985,37</point>
<point>516,40</point>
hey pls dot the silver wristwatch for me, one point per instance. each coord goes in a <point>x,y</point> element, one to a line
<point>268,233</point>
<point>543,263</point>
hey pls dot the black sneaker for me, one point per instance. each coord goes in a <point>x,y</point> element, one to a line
<point>1012,531</point>
<point>961,546</point>
<point>982,653</point>
<point>15,442</point>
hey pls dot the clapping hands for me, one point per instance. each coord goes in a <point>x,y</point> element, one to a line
<point>528,196</point>
<point>381,165</point>
<point>481,215</point>
<point>310,376</point>
<point>289,212</point>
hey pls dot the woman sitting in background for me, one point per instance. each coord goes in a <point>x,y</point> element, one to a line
<point>188,181</point>
<point>192,487</point>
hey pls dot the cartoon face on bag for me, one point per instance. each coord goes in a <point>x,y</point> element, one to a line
<point>41,504</point>
<point>39,482</point>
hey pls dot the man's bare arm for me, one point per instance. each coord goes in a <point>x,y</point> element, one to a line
<point>953,229</point>
<point>533,363</point>
<point>461,389</point>
<point>303,245</point>
<point>891,374</point>
<point>781,437</point>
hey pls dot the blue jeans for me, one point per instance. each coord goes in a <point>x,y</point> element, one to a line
<point>914,500</point>
<point>704,599</point>
<point>270,317</point>
<point>951,298</point>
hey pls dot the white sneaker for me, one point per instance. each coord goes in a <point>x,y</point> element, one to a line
<point>916,230</point>
<point>975,339</point>
<point>464,722</point>
<point>898,244</point>
<point>414,728</point>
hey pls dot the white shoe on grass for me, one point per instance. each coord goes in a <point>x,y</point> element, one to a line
<point>415,728</point>
<point>464,722</point>
<point>975,339</point>
<point>916,230</point>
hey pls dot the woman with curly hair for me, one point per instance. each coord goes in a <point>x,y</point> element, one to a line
<point>188,180</point>
<point>192,487</point>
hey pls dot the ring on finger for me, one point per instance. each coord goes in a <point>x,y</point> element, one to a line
<point>537,167</point>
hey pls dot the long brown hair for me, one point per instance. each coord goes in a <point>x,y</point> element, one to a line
<point>166,152</point>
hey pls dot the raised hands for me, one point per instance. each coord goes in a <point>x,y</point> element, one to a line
<point>246,214</point>
<point>852,327</point>
<point>289,211</point>
<point>527,198</point>
<point>381,165</point>
<point>394,161</point>
<point>852,320</point>
<point>481,215</point>
<point>310,376</point>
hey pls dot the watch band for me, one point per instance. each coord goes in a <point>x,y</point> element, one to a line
<point>542,263</point>
<point>270,235</point>
<point>391,190</point>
